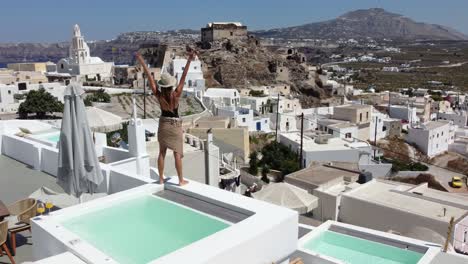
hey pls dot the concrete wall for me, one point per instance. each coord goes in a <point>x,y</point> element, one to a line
<point>327,208</point>
<point>22,150</point>
<point>381,170</point>
<point>460,237</point>
<point>352,114</point>
<point>49,160</point>
<point>115,154</point>
<point>371,215</point>
<point>459,120</point>
<point>212,123</point>
<point>234,140</point>
<point>431,142</point>
<point>121,181</point>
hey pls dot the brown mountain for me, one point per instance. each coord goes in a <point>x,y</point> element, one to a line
<point>375,23</point>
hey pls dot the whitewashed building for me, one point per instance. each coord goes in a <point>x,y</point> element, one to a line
<point>221,97</point>
<point>287,122</point>
<point>194,81</point>
<point>432,138</point>
<point>377,126</point>
<point>405,113</point>
<point>323,148</point>
<point>80,63</point>
<point>260,105</point>
<point>243,117</point>
<point>459,118</point>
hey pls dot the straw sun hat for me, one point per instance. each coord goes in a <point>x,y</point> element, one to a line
<point>167,81</point>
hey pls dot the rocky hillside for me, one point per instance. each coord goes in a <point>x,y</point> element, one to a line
<point>247,63</point>
<point>374,23</point>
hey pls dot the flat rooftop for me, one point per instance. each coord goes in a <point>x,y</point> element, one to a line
<point>318,174</point>
<point>311,145</point>
<point>435,124</point>
<point>353,106</point>
<point>213,118</point>
<point>400,197</point>
<point>343,125</point>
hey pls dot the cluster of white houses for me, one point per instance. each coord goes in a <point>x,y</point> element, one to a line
<point>339,168</point>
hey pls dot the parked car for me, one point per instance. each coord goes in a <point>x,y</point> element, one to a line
<point>456,182</point>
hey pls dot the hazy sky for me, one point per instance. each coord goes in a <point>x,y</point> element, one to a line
<point>52,20</point>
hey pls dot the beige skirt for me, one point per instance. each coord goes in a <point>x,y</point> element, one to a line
<point>170,134</point>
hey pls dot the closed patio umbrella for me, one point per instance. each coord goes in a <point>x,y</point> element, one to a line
<point>102,121</point>
<point>78,167</point>
<point>287,195</point>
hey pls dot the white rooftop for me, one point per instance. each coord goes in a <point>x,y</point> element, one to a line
<point>333,143</point>
<point>221,92</point>
<point>420,201</point>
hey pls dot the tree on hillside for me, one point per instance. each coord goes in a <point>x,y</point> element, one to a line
<point>99,96</point>
<point>39,102</point>
<point>253,169</point>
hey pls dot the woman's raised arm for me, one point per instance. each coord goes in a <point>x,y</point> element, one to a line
<point>152,83</point>
<point>181,84</point>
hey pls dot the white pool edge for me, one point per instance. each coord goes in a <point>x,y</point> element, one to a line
<point>230,245</point>
<point>427,258</point>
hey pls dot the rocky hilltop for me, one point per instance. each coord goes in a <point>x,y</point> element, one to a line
<point>374,23</point>
<point>241,64</point>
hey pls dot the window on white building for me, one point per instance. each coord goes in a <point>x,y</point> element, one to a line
<point>360,117</point>
<point>243,120</point>
<point>348,135</point>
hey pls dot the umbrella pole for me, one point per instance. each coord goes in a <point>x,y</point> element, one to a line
<point>80,199</point>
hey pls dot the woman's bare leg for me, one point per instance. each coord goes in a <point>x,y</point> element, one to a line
<point>178,165</point>
<point>161,157</point>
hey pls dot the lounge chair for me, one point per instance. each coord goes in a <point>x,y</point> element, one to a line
<point>3,240</point>
<point>21,213</point>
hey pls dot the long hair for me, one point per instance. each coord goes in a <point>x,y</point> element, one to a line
<point>166,101</point>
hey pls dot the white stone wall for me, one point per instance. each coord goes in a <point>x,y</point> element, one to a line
<point>458,119</point>
<point>431,142</point>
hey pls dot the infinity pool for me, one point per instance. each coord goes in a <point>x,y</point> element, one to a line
<point>53,138</point>
<point>354,250</point>
<point>143,229</point>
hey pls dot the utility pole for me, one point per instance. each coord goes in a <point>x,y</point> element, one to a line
<point>302,141</point>
<point>277,117</point>
<point>375,135</point>
<point>144,96</point>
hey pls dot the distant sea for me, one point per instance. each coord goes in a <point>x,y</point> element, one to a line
<point>3,65</point>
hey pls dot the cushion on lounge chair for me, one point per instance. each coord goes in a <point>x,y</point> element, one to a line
<point>13,222</point>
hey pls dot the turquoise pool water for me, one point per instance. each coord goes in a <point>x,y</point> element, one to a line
<point>53,138</point>
<point>143,229</point>
<point>355,250</point>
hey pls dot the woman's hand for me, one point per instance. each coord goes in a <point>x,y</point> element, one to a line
<point>192,53</point>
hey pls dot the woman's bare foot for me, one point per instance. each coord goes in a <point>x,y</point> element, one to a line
<point>183,182</point>
<point>162,180</point>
